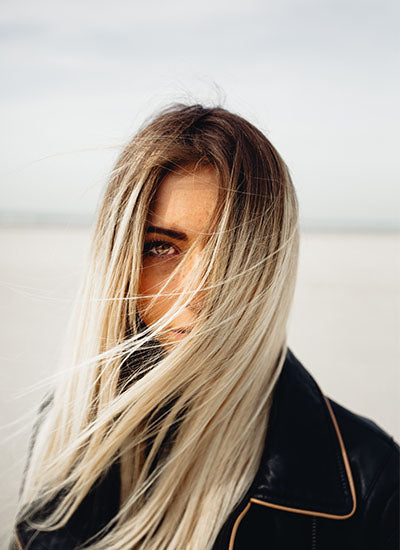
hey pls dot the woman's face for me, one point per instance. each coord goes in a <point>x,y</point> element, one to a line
<point>181,210</point>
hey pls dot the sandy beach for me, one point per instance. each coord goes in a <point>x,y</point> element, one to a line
<point>344,326</point>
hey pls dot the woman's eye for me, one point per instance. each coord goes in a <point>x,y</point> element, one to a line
<point>159,249</point>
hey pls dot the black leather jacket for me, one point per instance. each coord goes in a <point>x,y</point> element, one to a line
<point>328,480</point>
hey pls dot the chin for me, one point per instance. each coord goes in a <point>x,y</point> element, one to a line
<point>173,337</point>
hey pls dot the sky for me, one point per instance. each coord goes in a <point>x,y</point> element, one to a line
<point>320,78</point>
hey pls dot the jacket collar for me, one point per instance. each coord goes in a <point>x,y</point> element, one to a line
<point>304,467</point>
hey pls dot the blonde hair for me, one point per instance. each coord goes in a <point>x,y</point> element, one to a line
<point>186,427</point>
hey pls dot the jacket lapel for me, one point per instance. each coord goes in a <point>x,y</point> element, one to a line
<point>304,467</point>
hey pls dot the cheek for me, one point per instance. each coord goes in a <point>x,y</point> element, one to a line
<point>152,277</point>
<point>145,282</point>
<point>151,281</point>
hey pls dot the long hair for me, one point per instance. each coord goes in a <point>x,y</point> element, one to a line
<point>187,426</point>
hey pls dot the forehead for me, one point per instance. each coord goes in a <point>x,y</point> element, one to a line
<point>185,200</point>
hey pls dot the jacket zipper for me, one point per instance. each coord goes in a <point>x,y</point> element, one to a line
<point>313,533</point>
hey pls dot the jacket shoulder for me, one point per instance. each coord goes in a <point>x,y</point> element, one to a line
<point>374,458</point>
<point>363,435</point>
<point>370,431</point>
<point>368,446</point>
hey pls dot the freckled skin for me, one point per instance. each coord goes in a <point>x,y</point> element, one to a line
<point>184,202</point>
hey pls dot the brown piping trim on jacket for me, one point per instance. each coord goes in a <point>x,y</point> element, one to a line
<point>300,510</point>
<point>236,525</point>
<point>345,459</point>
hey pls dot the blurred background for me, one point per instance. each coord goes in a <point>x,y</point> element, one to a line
<point>318,77</point>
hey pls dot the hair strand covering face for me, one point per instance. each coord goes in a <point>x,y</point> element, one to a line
<point>187,426</point>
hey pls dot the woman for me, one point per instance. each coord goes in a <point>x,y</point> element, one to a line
<point>182,420</point>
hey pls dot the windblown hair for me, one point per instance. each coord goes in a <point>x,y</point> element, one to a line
<point>187,426</point>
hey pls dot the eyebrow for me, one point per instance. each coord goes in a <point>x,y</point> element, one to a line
<point>170,232</point>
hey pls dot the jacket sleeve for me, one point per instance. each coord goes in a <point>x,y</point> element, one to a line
<point>382,504</point>
<point>14,542</point>
<point>92,515</point>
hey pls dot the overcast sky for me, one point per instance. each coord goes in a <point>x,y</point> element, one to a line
<point>319,77</point>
